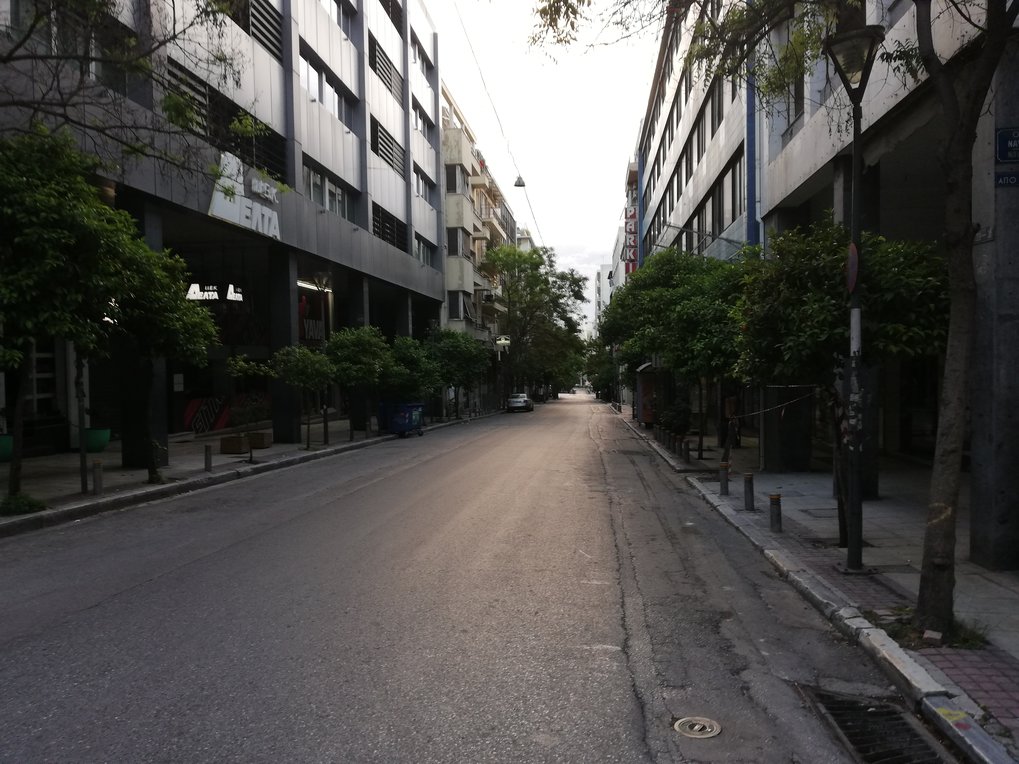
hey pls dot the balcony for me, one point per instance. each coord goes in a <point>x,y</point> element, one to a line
<point>498,222</point>
<point>460,213</point>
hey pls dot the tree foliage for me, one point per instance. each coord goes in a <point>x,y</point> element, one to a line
<point>792,309</point>
<point>413,373</point>
<point>459,359</point>
<point>677,306</point>
<point>542,311</point>
<point>74,269</point>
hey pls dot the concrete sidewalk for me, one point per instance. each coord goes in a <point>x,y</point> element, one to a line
<point>971,695</point>
<point>56,479</point>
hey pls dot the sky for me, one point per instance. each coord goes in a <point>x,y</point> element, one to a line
<point>564,119</point>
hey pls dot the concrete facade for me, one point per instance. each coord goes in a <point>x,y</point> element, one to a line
<point>332,217</point>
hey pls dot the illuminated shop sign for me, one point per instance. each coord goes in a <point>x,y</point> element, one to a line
<point>203,292</point>
<point>229,202</point>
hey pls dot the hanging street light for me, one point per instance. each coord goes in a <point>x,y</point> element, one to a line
<point>853,55</point>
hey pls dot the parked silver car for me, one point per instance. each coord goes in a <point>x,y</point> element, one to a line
<point>519,402</point>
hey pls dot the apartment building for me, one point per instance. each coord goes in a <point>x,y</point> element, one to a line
<point>477,218</point>
<point>330,216</point>
<point>693,155</point>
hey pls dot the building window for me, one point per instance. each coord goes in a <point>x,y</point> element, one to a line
<point>261,20</point>
<point>454,305</point>
<point>389,228</point>
<point>394,10</point>
<point>386,148</point>
<point>330,192</point>
<point>421,122</point>
<point>423,251</point>
<point>384,67</point>
<point>423,187</point>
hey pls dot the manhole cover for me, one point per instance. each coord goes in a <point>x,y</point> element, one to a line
<point>697,726</point>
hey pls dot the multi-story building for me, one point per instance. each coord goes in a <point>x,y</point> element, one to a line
<point>716,171</point>
<point>693,155</point>
<point>330,215</point>
<point>807,171</point>
<point>477,218</point>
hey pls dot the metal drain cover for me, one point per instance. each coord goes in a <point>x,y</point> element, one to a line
<point>697,726</point>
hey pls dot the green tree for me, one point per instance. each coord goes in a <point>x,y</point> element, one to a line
<point>413,374</point>
<point>601,368</point>
<point>307,371</point>
<point>460,360</point>
<point>72,268</point>
<point>542,308</point>
<point>730,43</point>
<point>791,314</point>
<point>359,356</point>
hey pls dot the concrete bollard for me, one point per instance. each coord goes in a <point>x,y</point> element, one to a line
<point>97,478</point>
<point>723,479</point>
<point>208,458</point>
<point>776,512</point>
<point>748,492</point>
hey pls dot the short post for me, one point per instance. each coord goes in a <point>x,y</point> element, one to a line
<point>776,512</point>
<point>748,491</point>
<point>723,479</point>
<point>97,477</point>
<point>208,458</point>
<point>686,450</point>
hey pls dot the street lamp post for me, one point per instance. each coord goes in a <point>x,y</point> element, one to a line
<point>853,54</point>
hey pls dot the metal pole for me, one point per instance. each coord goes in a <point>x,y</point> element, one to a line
<point>723,479</point>
<point>748,491</point>
<point>97,478</point>
<point>776,512</point>
<point>854,510</point>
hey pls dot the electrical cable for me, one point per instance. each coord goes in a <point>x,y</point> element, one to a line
<point>484,85</point>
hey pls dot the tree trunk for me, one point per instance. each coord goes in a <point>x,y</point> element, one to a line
<point>18,425</point>
<point>145,373</point>
<point>936,599</point>
<point>962,93</point>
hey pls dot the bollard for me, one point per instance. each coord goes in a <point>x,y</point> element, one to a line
<point>723,479</point>
<point>97,478</point>
<point>748,492</point>
<point>208,458</point>
<point>686,451</point>
<point>776,512</point>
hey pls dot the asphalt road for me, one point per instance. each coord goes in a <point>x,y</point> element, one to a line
<point>526,588</point>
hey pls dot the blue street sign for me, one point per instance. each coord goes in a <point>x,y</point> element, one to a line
<point>1006,144</point>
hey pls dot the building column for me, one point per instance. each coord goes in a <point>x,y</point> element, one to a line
<point>135,446</point>
<point>994,447</point>
<point>286,404</point>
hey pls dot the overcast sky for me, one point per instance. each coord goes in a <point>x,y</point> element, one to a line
<point>569,118</point>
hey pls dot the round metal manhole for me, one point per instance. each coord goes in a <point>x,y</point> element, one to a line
<point>697,726</point>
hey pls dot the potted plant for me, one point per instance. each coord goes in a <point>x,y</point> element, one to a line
<point>96,438</point>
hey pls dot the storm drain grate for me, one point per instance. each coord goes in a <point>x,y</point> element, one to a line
<point>878,732</point>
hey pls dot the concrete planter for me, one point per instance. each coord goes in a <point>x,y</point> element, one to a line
<point>233,444</point>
